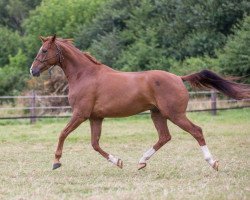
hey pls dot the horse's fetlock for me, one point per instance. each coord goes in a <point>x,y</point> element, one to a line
<point>58,154</point>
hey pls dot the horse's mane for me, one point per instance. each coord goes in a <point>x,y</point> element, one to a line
<point>86,54</point>
<point>91,58</point>
<point>69,40</point>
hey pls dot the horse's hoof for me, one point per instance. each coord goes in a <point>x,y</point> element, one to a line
<point>120,163</point>
<point>216,165</point>
<point>141,165</point>
<point>56,165</point>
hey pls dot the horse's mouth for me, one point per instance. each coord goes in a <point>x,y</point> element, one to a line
<point>35,73</point>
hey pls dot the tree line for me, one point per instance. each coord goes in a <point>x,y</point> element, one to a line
<point>130,35</point>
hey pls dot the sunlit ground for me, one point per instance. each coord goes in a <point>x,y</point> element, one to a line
<point>177,171</point>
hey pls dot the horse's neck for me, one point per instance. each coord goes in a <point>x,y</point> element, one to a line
<point>75,63</point>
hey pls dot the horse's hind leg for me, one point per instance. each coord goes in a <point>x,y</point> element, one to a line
<point>96,128</point>
<point>183,122</point>
<point>164,136</point>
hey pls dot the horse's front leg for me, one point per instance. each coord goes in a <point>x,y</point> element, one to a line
<point>96,128</point>
<point>74,122</point>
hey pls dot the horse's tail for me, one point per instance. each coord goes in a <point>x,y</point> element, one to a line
<point>208,79</point>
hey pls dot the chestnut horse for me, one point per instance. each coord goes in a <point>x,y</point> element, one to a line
<point>97,91</point>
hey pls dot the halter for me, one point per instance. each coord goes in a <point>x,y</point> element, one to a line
<point>58,55</point>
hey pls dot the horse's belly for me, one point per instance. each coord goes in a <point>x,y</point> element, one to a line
<point>121,108</point>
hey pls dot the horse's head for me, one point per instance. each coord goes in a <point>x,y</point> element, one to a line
<point>49,54</point>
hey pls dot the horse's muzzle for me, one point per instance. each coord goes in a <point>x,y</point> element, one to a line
<point>35,72</point>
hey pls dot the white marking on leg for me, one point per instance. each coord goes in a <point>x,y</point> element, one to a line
<point>113,159</point>
<point>207,155</point>
<point>147,155</point>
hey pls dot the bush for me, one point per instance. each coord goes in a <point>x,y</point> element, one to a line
<point>107,48</point>
<point>14,75</point>
<point>192,65</point>
<point>61,17</point>
<point>235,57</point>
<point>10,42</point>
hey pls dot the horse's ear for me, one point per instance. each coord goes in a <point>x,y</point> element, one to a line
<point>43,39</point>
<point>53,38</point>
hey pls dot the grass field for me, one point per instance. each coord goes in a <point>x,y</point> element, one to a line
<point>177,171</point>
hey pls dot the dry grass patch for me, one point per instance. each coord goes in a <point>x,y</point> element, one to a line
<point>177,171</point>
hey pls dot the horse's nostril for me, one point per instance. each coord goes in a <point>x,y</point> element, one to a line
<point>35,72</point>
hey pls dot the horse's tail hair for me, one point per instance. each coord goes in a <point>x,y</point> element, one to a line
<point>209,80</point>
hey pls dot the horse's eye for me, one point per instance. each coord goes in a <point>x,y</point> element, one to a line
<point>44,50</point>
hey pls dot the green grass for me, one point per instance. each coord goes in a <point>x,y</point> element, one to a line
<point>177,171</point>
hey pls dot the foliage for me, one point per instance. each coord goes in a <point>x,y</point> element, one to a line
<point>57,16</point>
<point>143,55</point>
<point>107,48</point>
<point>13,76</point>
<point>193,64</point>
<point>132,35</point>
<point>10,42</point>
<point>112,16</point>
<point>150,32</point>
<point>235,57</point>
<point>13,12</point>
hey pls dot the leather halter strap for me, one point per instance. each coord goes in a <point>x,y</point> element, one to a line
<point>58,55</point>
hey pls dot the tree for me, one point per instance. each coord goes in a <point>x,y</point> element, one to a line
<point>13,12</point>
<point>13,76</point>
<point>149,31</point>
<point>10,42</point>
<point>61,17</point>
<point>112,16</point>
<point>107,48</point>
<point>234,59</point>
